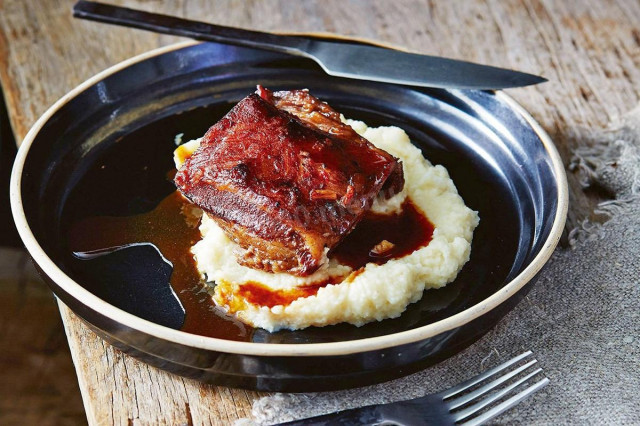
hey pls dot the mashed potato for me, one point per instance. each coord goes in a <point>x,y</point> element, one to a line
<point>375,292</point>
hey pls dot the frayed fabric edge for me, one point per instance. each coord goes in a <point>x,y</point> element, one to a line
<point>612,164</point>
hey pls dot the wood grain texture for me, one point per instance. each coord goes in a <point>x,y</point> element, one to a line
<point>589,50</point>
<point>37,380</point>
<point>117,389</point>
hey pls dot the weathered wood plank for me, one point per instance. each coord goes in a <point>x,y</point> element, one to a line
<point>589,50</point>
<point>117,389</point>
<point>38,383</point>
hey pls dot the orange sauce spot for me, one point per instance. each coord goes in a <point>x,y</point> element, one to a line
<point>261,295</point>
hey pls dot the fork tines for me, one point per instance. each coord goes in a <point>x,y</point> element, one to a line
<point>466,399</point>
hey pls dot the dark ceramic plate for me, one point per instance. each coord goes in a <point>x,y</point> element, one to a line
<point>105,148</point>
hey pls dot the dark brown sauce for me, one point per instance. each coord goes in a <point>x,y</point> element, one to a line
<point>407,231</point>
<point>173,229</point>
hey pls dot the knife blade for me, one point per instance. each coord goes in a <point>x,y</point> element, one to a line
<point>340,59</point>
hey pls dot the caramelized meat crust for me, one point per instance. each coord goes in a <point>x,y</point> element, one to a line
<point>319,115</point>
<point>286,179</point>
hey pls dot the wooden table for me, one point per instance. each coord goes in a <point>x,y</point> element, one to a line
<point>589,51</point>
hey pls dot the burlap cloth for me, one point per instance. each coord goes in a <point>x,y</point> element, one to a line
<point>581,320</point>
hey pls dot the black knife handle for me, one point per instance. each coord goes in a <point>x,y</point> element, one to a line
<point>187,28</point>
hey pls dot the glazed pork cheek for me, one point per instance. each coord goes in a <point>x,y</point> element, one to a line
<point>284,191</point>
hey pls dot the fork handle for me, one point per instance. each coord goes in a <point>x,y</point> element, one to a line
<point>356,416</point>
<point>426,410</point>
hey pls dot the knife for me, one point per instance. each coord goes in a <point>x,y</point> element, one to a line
<point>340,59</point>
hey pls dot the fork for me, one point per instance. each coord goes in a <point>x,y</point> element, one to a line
<point>458,405</point>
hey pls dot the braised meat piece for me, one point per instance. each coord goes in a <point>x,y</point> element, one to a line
<point>286,179</point>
